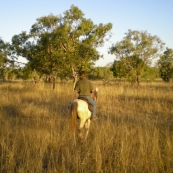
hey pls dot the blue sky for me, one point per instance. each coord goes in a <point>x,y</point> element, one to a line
<point>153,16</point>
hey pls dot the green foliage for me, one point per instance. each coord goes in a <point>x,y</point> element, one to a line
<point>3,53</point>
<point>58,43</point>
<point>101,73</point>
<point>4,61</point>
<point>120,69</point>
<point>166,65</point>
<point>135,53</point>
<point>150,73</point>
<point>25,73</point>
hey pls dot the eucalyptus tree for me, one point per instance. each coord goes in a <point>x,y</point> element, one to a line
<point>57,44</point>
<point>134,52</point>
<point>4,61</point>
<point>3,52</point>
<point>166,65</point>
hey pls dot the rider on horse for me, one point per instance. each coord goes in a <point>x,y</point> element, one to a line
<point>84,88</point>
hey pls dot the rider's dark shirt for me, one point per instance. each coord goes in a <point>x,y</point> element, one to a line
<point>83,87</point>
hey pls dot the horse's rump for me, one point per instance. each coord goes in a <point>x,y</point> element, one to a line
<point>86,100</point>
<point>79,109</point>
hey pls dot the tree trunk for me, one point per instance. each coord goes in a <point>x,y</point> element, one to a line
<point>138,79</point>
<point>54,84</point>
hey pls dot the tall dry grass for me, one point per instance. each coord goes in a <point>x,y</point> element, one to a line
<point>134,132</point>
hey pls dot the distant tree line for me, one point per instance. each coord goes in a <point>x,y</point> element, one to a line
<point>57,44</point>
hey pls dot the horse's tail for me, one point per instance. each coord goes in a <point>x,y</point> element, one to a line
<point>73,114</point>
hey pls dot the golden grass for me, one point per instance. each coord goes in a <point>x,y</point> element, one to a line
<point>134,132</point>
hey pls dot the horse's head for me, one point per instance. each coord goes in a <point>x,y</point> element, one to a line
<point>94,94</point>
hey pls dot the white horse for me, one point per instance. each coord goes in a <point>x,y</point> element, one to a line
<point>79,109</point>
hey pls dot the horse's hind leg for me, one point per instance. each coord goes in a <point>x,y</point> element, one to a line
<point>82,123</point>
<point>87,126</point>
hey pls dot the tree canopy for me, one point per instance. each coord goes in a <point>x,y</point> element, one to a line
<point>134,52</point>
<point>166,65</point>
<point>4,61</point>
<point>56,44</point>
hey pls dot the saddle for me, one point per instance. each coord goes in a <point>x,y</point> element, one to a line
<point>89,105</point>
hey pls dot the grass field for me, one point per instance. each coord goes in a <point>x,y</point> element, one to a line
<point>133,135</point>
